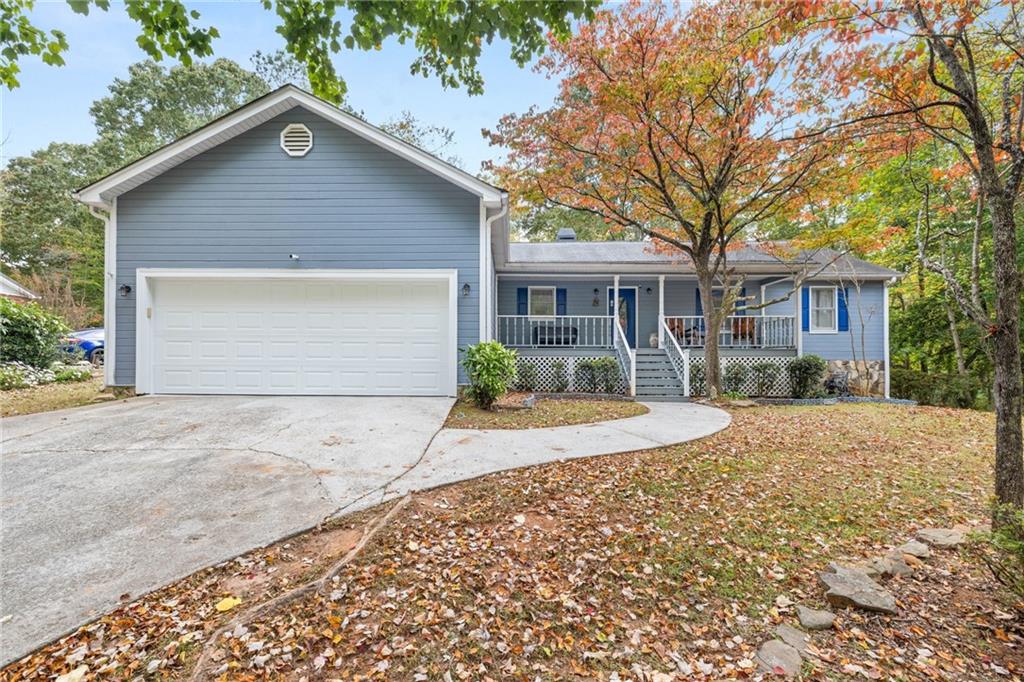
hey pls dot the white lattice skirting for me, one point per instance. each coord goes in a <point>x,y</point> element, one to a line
<point>779,388</point>
<point>545,366</point>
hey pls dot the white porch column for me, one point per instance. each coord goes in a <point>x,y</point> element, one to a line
<point>615,300</point>
<point>661,311</point>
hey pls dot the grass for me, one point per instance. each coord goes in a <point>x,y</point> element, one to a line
<point>546,412</point>
<point>670,559</point>
<point>49,397</point>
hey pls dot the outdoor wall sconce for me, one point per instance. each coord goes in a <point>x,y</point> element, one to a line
<point>596,301</point>
<point>649,290</point>
<point>465,289</point>
<point>124,290</point>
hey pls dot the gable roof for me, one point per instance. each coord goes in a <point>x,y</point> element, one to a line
<point>255,113</point>
<point>8,287</point>
<point>640,256</point>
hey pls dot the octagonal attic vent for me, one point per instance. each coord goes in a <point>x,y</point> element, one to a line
<point>296,139</point>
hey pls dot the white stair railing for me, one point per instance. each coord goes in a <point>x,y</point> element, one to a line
<point>627,357</point>
<point>679,358</point>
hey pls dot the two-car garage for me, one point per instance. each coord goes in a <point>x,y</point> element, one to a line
<point>295,332</point>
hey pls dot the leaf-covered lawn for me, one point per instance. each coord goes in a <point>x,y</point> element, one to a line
<point>49,397</point>
<point>668,561</point>
<point>546,412</point>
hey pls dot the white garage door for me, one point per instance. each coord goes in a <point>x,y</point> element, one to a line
<point>293,336</point>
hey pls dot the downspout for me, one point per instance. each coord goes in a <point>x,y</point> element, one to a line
<point>489,302</point>
<point>885,331</point>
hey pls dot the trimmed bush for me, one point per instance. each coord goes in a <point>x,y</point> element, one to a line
<point>561,377</point>
<point>697,376</point>
<point>586,376</point>
<point>734,378</point>
<point>805,375</point>
<point>606,374</point>
<point>29,334</point>
<point>947,390</point>
<point>491,368</point>
<point>765,376</point>
<point>527,376</point>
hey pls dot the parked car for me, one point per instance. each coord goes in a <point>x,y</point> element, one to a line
<point>88,342</point>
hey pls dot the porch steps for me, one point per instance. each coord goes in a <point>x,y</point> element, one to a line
<point>656,378</point>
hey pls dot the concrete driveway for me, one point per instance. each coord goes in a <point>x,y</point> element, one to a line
<point>115,500</point>
<point>119,499</point>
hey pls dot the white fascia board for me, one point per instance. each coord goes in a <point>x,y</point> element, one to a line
<point>224,129</point>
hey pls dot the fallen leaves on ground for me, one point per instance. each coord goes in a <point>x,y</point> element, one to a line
<point>666,564</point>
<point>546,412</point>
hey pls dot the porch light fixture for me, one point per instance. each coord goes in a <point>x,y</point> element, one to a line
<point>649,290</point>
<point>596,302</point>
<point>124,290</point>
<point>465,289</point>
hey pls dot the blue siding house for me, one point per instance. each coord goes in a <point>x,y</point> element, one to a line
<point>291,248</point>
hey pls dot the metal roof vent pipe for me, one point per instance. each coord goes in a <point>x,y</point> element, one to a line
<point>566,234</point>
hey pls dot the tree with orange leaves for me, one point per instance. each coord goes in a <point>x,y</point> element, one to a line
<point>684,127</point>
<point>947,73</point>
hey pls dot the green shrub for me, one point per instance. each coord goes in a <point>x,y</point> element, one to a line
<point>734,378</point>
<point>11,376</point>
<point>29,334</point>
<point>527,376</point>
<point>491,368</point>
<point>697,376</point>
<point>765,376</point>
<point>66,374</point>
<point>948,390</point>
<point>1002,550</point>
<point>606,374</point>
<point>805,374</point>
<point>586,376</point>
<point>561,378</point>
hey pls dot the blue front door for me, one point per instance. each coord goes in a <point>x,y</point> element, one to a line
<point>627,312</point>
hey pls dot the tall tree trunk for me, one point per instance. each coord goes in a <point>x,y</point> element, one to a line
<point>954,333</point>
<point>712,325</point>
<point>1009,469</point>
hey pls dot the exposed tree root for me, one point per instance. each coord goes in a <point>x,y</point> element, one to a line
<point>317,585</point>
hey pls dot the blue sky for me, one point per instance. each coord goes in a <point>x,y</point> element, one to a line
<point>52,103</point>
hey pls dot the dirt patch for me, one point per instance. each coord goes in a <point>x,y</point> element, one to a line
<point>546,412</point>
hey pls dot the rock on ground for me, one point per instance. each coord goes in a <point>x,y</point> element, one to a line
<point>793,637</point>
<point>779,658</point>
<point>890,565</point>
<point>815,619</point>
<point>852,588</point>
<point>943,538</point>
<point>915,549</point>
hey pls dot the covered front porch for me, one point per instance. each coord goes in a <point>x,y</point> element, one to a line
<point>564,312</point>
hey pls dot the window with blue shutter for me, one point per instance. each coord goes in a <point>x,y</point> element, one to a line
<point>522,297</point>
<point>741,304</point>
<point>844,311</point>
<point>560,302</point>
<point>805,309</point>
<point>700,306</point>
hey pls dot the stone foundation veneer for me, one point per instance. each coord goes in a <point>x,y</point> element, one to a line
<point>867,377</point>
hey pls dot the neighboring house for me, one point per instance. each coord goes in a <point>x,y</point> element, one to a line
<point>14,291</point>
<point>291,248</point>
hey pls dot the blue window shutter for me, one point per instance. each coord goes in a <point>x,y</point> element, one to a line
<point>844,312</point>
<point>805,309</point>
<point>700,306</point>
<point>521,301</point>
<point>560,306</point>
<point>741,305</point>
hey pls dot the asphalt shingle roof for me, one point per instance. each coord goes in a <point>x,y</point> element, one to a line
<point>612,252</point>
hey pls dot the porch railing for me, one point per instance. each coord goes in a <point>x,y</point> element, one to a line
<point>679,358</point>
<point>738,331</point>
<point>557,331</point>
<point>627,358</point>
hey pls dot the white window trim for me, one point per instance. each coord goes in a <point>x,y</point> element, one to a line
<point>835,311</point>
<point>144,305</point>
<point>554,301</point>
